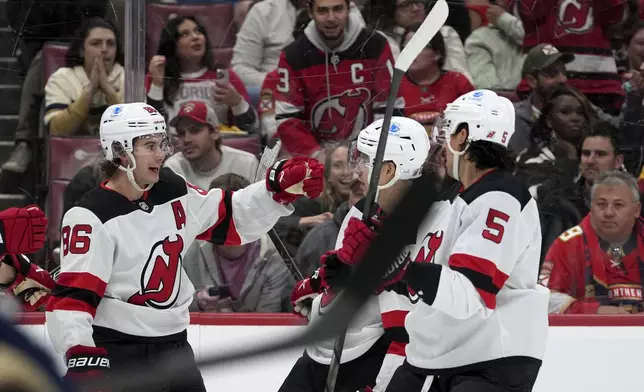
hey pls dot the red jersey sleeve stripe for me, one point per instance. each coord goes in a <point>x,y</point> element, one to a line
<point>82,280</point>
<point>491,278</point>
<point>394,318</point>
<point>70,304</point>
<point>223,232</point>
<point>397,348</point>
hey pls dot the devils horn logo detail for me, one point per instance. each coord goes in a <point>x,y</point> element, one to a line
<point>428,248</point>
<point>348,109</point>
<point>161,276</point>
<point>574,17</point>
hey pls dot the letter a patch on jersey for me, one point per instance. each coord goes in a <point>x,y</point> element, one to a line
<point>161,275</point>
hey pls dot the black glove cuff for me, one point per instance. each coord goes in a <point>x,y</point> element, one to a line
<point>272,181</point>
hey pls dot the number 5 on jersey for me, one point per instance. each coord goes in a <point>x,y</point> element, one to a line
<point>494,222</point>
<point>75,240</point>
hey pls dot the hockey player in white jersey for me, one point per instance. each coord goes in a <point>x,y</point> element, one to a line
<point>374,344</point>
<point>122,295</point>
<point>480,319</point>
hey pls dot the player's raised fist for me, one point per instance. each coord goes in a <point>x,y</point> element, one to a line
<point>292,178</point>
<point>22,230</point>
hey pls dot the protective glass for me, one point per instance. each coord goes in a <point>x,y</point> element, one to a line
<point>154,143</point>
<point>357,159</point>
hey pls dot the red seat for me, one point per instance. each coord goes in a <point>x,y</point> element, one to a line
<point>250,144</point>
<point>55,209</point>
<point>68,154</point>
<point>53,57</point>
<point>217,19</point>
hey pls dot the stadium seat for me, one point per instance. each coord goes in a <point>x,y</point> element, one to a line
<point>53,57</point>
<point>249,143</point>
<point>68,154</point>
<point>55,209</point>
<point>217,18</point>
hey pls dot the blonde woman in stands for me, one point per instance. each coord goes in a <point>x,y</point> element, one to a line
<point>184,70</point>
<point>91,80</point>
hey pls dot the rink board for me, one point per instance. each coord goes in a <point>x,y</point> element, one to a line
<point>585,353</point>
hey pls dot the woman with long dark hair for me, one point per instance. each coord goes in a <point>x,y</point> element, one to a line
<point>184,70</point>
<point>92,79</point>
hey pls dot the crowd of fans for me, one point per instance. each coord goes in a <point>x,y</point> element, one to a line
<point>312,73</point>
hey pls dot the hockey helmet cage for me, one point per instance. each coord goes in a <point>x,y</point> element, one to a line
<point>489,117</point>
<point>124,123</point>
<point>407,145</point>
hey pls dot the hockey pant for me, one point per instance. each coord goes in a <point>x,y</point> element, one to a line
<point>499,378</point>
<point>123,349</point>
<point>310,376</point>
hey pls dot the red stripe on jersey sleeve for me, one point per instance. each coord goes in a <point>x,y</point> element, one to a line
<point>82,280</point>
<point>223,232</point>
<point>70,304</point>
<point>397,348</point>
<point>483,273</point>
<point>394,318</point>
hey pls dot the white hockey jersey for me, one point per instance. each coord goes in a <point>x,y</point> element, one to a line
<point>121,265</point>
<point>474,273</point>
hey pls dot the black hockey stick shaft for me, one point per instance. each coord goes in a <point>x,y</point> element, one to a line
<point>289,261</point>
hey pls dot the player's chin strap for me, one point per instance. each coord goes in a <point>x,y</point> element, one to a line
<point>391,182</point>
<point>456,158</point>
<point>130,173</point>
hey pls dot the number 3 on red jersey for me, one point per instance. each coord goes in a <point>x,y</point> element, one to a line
<point>76,240</point>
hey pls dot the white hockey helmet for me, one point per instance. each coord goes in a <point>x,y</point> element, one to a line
<point>407,147</point>
<point>489,117</point>
<point>121,124</point>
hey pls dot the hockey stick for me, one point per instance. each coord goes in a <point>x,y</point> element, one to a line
<point>269,157</point>
<point>399,226</point>
<point>430,27</point>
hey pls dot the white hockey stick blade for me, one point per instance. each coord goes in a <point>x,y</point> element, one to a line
<point>430,27</point>
<point>269,157</point>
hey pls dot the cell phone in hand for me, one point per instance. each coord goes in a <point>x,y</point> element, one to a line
<point>222,74</point>
<point>221,292</point>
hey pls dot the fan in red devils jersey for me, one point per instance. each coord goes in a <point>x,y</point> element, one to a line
<point>596,267</point>
<point>122,295</point>
<point>426,88</point>
<point>480,319</point>
<point>332,80</point>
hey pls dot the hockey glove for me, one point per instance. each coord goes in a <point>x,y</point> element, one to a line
<point>305,291</point>
<point>292,178</point>
<point>32,285</point>
<point>22,230</point>
<point>357,237</point>
<point>84,362</point>
<point>365,389</point>
<point>396,271</point>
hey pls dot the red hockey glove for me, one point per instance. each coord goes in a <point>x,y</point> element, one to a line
<point>357,237</point>
<point>84,362</point>
<point>32,285</point>
<point>336,273</point>
<point>22,230</point>
<point>365,389</point>
<point>305,291</point>
<point>292,178</point>
<point>396,271</point>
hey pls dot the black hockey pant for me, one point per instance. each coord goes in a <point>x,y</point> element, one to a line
<point>125,349</point>
<point>503,378</point>
<point>310,376</point>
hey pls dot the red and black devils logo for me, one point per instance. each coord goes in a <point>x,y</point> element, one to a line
<point>574,17</point>
<point>161,276</point>
<point>428,248</point>
<point>347,110</point>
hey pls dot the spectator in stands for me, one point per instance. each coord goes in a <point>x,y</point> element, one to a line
<point>322,237</point>
<point>93,79</point>
<point>494,49</point>
<point>428,87</point>
<point>183,70</point>
<point>579,27</point>
<point>203,157</point>
<point>333,80</point>
<point>241,11</point>
<point>309,214</point>
<point>556,140</point>
<point>393,18</point>
<point>86,179</point>
<point>267,29</point>
<point>39,23</point>
<point>254,274</point>
<point>544,69</point>
<point>595,267</point>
